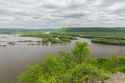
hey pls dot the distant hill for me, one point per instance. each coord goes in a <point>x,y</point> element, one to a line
<point>13,30</point>
<point>93,29</point>
<point>68,29</point>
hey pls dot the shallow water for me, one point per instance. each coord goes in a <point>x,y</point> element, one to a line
<point>104,50</point>
<point>15,58</point>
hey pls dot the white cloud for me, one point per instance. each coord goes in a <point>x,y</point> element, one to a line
<point>117,6</point>
<point>43,13</point>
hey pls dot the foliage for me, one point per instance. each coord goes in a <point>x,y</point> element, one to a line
<point>93,29</point>
<point>76,66</point>
<point>113,64</point>
<point>109,41</point>
<point>32,74</point>
<point>51,37</point>
<point>112,37</point>
<point>84,72</point>
<point>80,52</point>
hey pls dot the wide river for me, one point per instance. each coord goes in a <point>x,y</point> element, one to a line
<point>17,52</point>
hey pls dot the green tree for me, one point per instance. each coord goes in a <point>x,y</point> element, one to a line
<point>31,75</point>
<point>84,72</point>
<point>76,66</point>
<point>80,52</point>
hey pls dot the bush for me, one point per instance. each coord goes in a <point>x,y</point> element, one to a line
<point>113,64</point>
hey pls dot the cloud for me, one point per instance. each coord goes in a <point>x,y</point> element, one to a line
<point>52,13</point>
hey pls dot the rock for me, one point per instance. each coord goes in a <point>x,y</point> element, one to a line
<point>116,78</point>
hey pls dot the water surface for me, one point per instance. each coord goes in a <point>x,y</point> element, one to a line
<point>15,58</point>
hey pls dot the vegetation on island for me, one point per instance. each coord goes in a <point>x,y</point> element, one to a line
<point>108,35</point>
<point>108,41</point>
<point>113,36</point>
<point>76,66</point>
<point>51,37</point>
<point>102,35</point>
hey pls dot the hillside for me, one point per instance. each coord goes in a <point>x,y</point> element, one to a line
<point>94,29</point>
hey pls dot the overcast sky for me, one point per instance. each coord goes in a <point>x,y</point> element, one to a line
<point>57,13</point>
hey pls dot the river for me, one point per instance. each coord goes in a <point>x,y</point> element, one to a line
<point>14,58</point>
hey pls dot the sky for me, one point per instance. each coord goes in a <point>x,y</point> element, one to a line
<point>60,13</point>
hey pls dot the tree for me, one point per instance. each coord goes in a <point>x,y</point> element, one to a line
<point>80,52</point>
<point>73,67</point>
